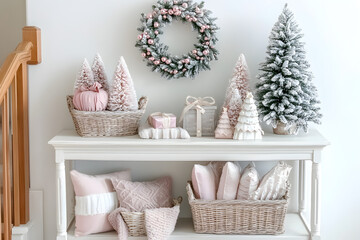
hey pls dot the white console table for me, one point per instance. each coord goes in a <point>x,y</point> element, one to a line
<point>304,147</point>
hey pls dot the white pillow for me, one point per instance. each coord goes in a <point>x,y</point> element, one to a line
<point>273,185</point>
<point>249,182</point>
<point>203,181</point>
<point>229,182</point>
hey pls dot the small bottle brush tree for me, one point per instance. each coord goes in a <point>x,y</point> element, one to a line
<point>236,91</point>
<point>98,70</point>
<point>122,95</point>
<point>224,129</point>
<point>85,76</point>
<point>248,126</point>
<point>286,95</point>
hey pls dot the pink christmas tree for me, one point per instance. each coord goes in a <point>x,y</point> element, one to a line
<point>85,76</point>
<point>122,95</point>
<point>98,70</point>
<point>224,129</point>
<point>237,89</point>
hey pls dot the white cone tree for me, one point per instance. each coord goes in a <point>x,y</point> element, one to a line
<point>224,129</point>
<point>122,95</point>
<point>237,88</point>
<point>85,76</point>
<point>285,92</point>
<point>248,126</point>
<point>99,73</point>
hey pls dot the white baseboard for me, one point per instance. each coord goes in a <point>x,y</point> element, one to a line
<point>33,230</point>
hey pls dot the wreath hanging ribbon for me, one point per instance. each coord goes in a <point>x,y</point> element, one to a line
<point>155,52</point>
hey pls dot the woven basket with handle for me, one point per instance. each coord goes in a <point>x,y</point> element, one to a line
<point>237,216</point>
<point>136,220</point>
<point>106,123</point>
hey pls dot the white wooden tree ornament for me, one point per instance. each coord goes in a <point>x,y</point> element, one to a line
<point>248,126</point>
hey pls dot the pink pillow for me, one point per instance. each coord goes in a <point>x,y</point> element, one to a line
<point>95,199</point>
<point>229,182</point>
<point>138,196</point>
<point>203,181</point>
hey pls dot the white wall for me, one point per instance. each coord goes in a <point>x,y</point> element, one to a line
<point>72,30</point>
<point>12,19</point>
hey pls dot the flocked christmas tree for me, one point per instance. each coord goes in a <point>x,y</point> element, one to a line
<point>248,126</point>
<point>224,129</point>
<point>236,91</point>
<point>98,70</point>
<point>122,95</point>
<point>285,93</point>
<point>85,76</point>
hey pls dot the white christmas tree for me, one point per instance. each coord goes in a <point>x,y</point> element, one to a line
<point>98,70</point>
<point>122,95</point>
<point>239,82</point>
<point>85,76</point>
<point>285,92</point>
<point>224,129</point>
<point>248,126</point>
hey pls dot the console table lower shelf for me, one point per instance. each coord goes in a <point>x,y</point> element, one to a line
<point>294,230</point>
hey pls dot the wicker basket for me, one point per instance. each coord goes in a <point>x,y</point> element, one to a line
<point>106,123</point>
<point>136,221</point>
<point>237,216</point>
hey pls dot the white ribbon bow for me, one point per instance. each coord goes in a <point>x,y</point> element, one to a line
<point>198,103</point>
<point>165,116</point>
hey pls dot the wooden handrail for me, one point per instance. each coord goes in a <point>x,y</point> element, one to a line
<point>15,131</point>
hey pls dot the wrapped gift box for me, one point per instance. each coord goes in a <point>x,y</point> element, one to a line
<point>207,121</point>
<point>162,120</point>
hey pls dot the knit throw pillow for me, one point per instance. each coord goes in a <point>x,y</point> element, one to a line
<point>249,182</point>
<point>95,199</point>
<point>138,196</point>
<point>160,222</point>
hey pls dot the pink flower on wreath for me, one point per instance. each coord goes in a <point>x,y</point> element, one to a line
<point>148,53</point>
<point>139,37</point>
<point>164,16</point>
<point>156,32</point>
<point>186,60</point>
<point>194,19</point>
<point>177,13</point>
<point>156,24</point>
<point>150,41</point>
<point>184,69</point>
<point>207,43</point>
<point>163,11</point>
<point>206,38</point>
<point>187,17</point>
<point>206,52</point>
<point>194,51</point>
<point>197,57</point>
<point>175,8</point>
<point>157,62</point>
<point>175,71</point>
<point>151,58</point>
<point>202,58</point>
<point>163,59</point>
<point>149,15</point>
<point>147,36</point>
<point>143,54</point>
<point>184,5</point>
<point>175,2</point>
<point>168,61</point>
<point>171,12</point>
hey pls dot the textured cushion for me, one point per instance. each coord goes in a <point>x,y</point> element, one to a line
<point>138,196</point>
<point>229,182</point>
<point>249,182</point>
<point>160,222</point>
<point>203,180</point>
<point>273,185</point>
<point>95,199</point>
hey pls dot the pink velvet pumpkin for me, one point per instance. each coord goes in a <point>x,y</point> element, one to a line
<point>90,99</point>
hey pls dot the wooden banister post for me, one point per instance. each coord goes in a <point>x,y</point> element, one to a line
<point>33,35</point>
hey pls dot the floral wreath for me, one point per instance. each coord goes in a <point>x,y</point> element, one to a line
<point>155,53</point>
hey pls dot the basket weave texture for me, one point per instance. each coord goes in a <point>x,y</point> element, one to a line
<point>136,221</point>
<point>106,123</point>
<point>237,216</point>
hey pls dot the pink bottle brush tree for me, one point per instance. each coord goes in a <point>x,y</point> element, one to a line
<point>98,69</point>
<point>122,95</point>
<point>85,77</point>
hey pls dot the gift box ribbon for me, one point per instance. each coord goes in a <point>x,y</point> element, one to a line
<point>198,103</point>
<point>166,118</point>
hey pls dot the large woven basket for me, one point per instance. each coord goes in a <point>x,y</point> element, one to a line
<point>106,123</point>
<point>237,216</point>
<point>136,221</point>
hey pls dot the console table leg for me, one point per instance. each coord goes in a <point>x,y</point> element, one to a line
<point>60,197</point>
<point>315,198</point>
<point>301,186</point>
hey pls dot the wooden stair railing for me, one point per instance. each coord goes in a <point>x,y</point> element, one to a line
<point>15,132</point>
